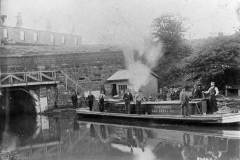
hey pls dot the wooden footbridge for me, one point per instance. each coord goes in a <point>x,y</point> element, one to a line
<point>29,78</point>
<point>38,78</point>
<point>49,88</point>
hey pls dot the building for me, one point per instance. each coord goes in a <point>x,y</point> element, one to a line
<point>25,36</point>
<point>232,87</point>
<point>232,90</point>
<point>119,83</point>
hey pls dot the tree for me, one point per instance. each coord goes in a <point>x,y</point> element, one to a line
<point>169,30</point>
<point>217,61</point>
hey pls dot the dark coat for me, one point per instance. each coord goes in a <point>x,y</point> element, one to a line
<point>90,99</point>
<point>127,97</point>
<point>74,98</point>
<point>196,93</point>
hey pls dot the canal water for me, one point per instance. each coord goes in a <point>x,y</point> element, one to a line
<point>66,137</point>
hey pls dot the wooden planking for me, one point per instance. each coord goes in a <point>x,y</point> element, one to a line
<point>214,118</point>
<point>155,103</point>
<point>230,118</point>
<point>177,102</point>
<point>29,84</point>
<point>169,107</point>
<point>176,117</point>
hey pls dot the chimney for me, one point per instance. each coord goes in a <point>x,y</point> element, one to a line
<point>19,20</point>
<point>3,11</point>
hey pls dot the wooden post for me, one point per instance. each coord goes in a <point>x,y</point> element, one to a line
<point>56,96</point>
<point>66,81</point>
<point>0,82</point>
<point>11,80</point>
<point>26,77</point>
<point>226,91</point>
<point>40,75</point>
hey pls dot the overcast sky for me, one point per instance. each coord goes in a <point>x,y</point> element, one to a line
<point>106,21</point>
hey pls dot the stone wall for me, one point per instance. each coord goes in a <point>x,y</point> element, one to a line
<point>90,69</point>
<point>47,97</point>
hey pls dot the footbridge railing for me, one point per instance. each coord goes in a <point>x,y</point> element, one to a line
<point>69,82</point>
<point>16,79</point>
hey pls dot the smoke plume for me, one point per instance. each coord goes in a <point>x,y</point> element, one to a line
<point>140,60</point>
<point>238,11</point>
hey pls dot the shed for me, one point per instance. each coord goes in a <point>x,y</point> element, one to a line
<point>119,83</point>
<point>232,90</point>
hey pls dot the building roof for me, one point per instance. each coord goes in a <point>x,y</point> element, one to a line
<point>119,75</point>
<point>124,75</point>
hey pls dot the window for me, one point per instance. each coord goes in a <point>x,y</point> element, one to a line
<point>35,36</point>
<point>5,33</point>
<point>122,88</point>
<point>22,35</point>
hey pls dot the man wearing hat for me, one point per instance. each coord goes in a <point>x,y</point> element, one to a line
<point>138,101</point>
<point>127,97</point>
<point>212,103</point>
<point>197,93</point>
<point>184,100</point>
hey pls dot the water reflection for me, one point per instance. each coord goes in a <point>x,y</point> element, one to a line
<point>63,138</point>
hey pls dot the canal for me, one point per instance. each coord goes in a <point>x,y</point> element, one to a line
<point>63,136</point>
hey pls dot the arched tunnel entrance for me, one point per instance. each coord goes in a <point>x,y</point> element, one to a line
<point>17,114</point>
<point>18,101</point>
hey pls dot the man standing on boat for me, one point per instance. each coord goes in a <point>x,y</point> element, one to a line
<point>184,100</point>
<point>90,99</point>
<point>127,97</point>
<point>212,102</point>
<point>101,102</point>
<point>74,99</point>
<point>138,99</point>
<point>196,93</point>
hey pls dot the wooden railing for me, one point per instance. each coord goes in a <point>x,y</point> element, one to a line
<point>27,78</point>
<point>69,82</point>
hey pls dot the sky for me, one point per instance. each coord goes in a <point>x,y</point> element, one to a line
<point>124,21</point>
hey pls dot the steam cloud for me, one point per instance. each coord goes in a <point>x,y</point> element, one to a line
<point>238,11</point>
<point>140,61</point>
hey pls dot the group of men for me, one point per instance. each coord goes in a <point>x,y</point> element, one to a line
<point>89,100</point>
<point>198,93</point>
<point>138,98</point>
<point>184,98</point>
<point>166,93</point>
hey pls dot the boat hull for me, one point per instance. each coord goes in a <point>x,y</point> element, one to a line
<point>214,119</point>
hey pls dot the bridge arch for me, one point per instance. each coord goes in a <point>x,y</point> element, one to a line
<point>21,101</point>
